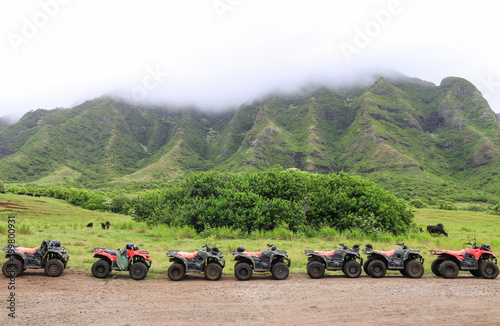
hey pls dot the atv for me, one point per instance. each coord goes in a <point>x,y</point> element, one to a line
<point>49,256</point>
<point>130,258</point>
<point>409,262</point>
<point>210,261</point>
<point>345,259</point>
<point>478,260</point>
<point>262,261</point>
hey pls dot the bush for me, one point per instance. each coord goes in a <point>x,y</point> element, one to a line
<point>446,205</point>
<point>496,209</point>
<point>417,203</point>
<point>2,188</point>
<point>276,198</point>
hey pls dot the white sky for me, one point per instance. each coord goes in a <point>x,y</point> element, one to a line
<point>219,53</point>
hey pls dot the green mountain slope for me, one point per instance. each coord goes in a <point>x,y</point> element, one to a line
<point>410,136</point>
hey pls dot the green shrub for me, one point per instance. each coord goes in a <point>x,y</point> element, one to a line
<point>418,203</point>
<point>446,205</point>
<point>268,200</point>
<point>496,209</point>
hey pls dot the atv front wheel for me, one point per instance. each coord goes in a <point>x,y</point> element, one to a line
<point>12,268</point>
<point>138,270</point>
<point>101,268</point>
<point>476,272</point>
<point>176,272</point>
<point>213,272</point>
<point>280,271</point>
<point>243,271</point>
<point>488,269</point>
<point>376,268</point>
<point>435,266</point>
<point>414,269</point>
<point>448,269</point>
<point>352,269</point>
<point>54,267</point>
<point>315,269</point>
<point>365,266</point>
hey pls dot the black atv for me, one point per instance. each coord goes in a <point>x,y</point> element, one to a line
<point>50,256</point>
<point>408,262</point>
<point>210,261</point>
<point>345,259</point>
<point>262,261</point>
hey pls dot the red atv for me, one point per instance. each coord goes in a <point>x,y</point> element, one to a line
<point>478,260</point>
<point>130,258</point>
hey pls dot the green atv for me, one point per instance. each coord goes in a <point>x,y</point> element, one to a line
<point>50,256</point>
<point>266,260</point>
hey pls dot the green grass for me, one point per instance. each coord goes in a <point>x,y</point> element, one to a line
<point>38,219</point>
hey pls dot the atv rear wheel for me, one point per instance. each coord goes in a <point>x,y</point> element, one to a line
<point>365,266</point>
<point>488,269</point>
<point>448,269</point>
<point>101,268</point>
<point>243,271</point>
<point>352,269</point>
<point>414,269</point>
<point>54,267</point>
<point>176,272</point>
<point>435,266</point>
<point>376,268</point>
<point>213,272</point>
<point>280,271</point>
<point>138,270</point>
<point>12,268</point>
<point>315,269</point>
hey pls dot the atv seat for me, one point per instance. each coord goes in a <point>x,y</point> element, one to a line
<point>252,254</point>
<point>326,253</point>
<point>387,253</point>
<point>455,253</point>
<point>31,251</point>
<point>111,252</point>
<point>188,255</point>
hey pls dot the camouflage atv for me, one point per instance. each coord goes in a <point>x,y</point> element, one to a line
<point>408,262</point>
<point>262,261</point>
<point>345,259</point>
<point>210,261</point>
<point>478,260</point>
<point>49,256</point>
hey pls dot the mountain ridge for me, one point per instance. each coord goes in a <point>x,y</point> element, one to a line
<point>413,137</point>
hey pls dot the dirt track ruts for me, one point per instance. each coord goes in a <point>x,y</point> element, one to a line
<point>76,298</point>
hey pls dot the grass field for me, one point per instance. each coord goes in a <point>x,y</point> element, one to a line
<point>43,218</point>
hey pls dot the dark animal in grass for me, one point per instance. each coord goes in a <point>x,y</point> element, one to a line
<point>108,224</point>
<point>38,195</point>
<point>90,225</point>
<point>421,230</point>
<point>103,226</point>
<point>438,229</point>
<point>29,194</point>
<point>20,193</point>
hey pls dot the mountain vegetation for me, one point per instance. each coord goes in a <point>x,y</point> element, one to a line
<point>411,137</point>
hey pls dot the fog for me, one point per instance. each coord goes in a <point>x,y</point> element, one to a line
<point>217,54</point>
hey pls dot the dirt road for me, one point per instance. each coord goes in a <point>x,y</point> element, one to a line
<point>79,299</point>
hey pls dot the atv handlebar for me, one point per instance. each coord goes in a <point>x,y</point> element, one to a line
<point>343,245</point>
<point>270,245</point>
<point>402,244</point>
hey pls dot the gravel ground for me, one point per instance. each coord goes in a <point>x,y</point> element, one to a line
<point>76,298</point>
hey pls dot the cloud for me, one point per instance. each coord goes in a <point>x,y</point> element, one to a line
<point>221,53</point>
